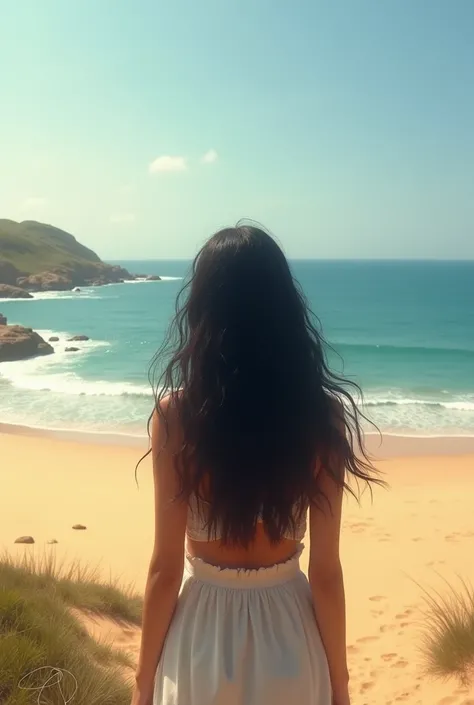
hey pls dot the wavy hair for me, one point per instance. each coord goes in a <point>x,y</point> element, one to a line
<point>244,364</point>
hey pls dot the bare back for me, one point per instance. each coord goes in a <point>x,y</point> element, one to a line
<point>261,554</point>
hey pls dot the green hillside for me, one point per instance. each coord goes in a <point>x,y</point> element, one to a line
<point>33,247</point>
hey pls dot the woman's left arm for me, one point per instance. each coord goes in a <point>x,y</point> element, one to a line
<point>167,561</point>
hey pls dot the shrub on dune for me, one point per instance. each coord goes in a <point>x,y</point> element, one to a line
<point>46,654</point>
<point>448,643</point>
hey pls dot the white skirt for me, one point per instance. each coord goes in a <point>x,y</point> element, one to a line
<point>243,637</point>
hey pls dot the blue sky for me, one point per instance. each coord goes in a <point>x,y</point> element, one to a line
<point>346,127</point>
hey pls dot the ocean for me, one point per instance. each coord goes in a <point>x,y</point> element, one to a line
<point>404,331</point>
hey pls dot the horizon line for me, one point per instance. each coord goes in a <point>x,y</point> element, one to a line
<point>309,259</point>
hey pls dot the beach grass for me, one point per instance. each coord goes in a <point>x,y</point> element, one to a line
<point>448,640</point>
<point>46,653</point>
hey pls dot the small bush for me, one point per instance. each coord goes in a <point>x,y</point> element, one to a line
<point>448,643</point>
<point>46,655</point>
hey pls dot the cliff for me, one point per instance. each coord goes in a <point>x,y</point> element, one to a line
<point>39,257</point>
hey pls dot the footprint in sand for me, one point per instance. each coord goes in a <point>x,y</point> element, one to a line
<point>400,664</point>
<point>377,598</point>
<point>450,700</point>
<point>389,657</point>
<point>367,639</point>
<point>387,628</point>
<point>352,649</point>
<point>359,527</point>
<point>366,686</point>
<point>417,538</point>
<point>404,615</point>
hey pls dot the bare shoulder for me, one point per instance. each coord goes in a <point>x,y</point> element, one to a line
<point>166,422</point>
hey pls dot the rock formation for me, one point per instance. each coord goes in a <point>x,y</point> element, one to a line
<point>19,343</point>
<point>45,281</point>
<point>39,257</point>
<point>25,539</point>
<point>7,291</point>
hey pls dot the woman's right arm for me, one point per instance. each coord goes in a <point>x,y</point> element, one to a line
<point>327,584</point>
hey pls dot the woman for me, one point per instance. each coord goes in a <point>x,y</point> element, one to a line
<point>248,434</point>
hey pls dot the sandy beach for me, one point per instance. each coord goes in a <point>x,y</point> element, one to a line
<point>412,536</point>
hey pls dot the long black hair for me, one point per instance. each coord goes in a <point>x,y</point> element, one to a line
<point>244,365</point>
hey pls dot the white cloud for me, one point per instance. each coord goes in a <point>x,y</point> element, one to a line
<point>167,163</point>
<point>210,157</point>
<point>33,203</point>
<point>123,218</point>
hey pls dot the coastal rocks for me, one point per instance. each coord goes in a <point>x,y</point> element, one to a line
<point>98,274</point>
<point>13,292</point>
<point>19,343</point>
<point>71,349</point>
<point>3,320</point>
<point>72,278</point>
<point>147,277</point>
<point>24,539</point>
<point>46,281</point>
<point>78,339</point>
<point>54,339</point>
<point>79,527</point>
<point>101,281</point>
<point>56,261</point>
<point>116,274</point>
<point>13,284</point>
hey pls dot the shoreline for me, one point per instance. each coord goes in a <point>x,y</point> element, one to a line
<point>380,447</point>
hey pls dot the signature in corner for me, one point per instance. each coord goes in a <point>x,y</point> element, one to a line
<point>50,676</point>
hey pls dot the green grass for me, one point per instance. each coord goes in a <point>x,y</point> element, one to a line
<point>35,247</point>
<point>39,633</point>
<point>448,642</point>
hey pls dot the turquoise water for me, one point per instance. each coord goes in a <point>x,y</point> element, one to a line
<point>405,331</point>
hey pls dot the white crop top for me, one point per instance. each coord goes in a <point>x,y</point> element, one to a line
<point>197,531</point>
